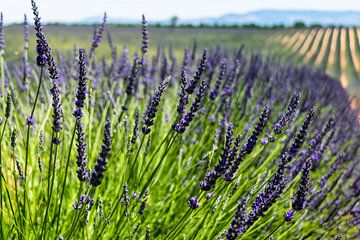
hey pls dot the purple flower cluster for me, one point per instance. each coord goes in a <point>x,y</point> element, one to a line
<point>249,145</point>
<point>302,192</point>
<point>81,90</point>
<point>145,36</point>
<point>98,35</point>
<point>238,224</point>
<point>98,173</point>
<point>223,162</point>
<point>215,91</point>
<point>153,105</point>
<point>184,99</point>
<point>2,40</point>
<point>180,127</point>
<point>190,88</point>
<point>193,203</point>
<point>278,126</point>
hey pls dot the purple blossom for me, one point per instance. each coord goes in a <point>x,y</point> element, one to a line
<point>8,105</point>
<point>249,146</point>
<point>98,173</point>
<point>278,126</point>
<point>238,224</point>
<point>289,215</point>
<point>145,36</point>
<point>215,91</point>
<point>81,158</point>
<point>82,83</point>
<point>184,99</point>
<point>2,40</point>
<point>193,203</point>
<point>153,105</point>
<point>180,127</point>
<point>98,35</point>
<point>302,192</point>
<point>29,120</point>
<point>197,76</point>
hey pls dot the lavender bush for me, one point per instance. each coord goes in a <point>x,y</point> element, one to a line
<point>211,144</point>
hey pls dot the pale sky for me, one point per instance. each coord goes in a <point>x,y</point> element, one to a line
<point>73,10</point>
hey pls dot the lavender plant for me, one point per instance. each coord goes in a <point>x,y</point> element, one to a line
<point>234,148</point>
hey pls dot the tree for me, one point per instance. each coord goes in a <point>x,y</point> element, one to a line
<point>173,21</point>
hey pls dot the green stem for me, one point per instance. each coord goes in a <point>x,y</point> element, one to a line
<point>158,166</point>
<point>28,139</point>
<point>64,184</point>
<point>2,75</point>
<point>137,154</point>
<point>50,183</point>
<point>1,177</point>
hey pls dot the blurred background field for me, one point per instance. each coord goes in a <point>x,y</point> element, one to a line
<point>335,50</point>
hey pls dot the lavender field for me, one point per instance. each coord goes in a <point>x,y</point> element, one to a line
<point>141,133</point>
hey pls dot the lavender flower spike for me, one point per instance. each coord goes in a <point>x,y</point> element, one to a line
<point>145,36</point>
<point>82,172</point>
<point>289,215</point>
<point>201,68</point>
<point>215,91</point>
<point>301,193</point>
<point>99,169</point>
<point>250,144</point>
<point>184,99</point>
<point>152,106</point>
<point>82,82</point>
<point>8,105</point>
<point>223,163</point>
<point>180,127</point>
<point>42,44</point>
<point>98,35</point>
<point>193,203</point>
<point>238,224</point>
<point>2,40</point>
<point>278,127</point>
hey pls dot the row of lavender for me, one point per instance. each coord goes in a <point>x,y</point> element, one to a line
<point>209,145</point>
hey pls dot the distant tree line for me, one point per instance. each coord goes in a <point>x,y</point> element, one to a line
<point>173,23</point>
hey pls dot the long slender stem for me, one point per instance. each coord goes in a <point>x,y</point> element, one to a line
<point>65,177</point>
<point>28,139</point>
<point>2,76</point>
<point>50,185</point>
<point>1,204</point>
<point>158,166</point>
<point>137,154</point>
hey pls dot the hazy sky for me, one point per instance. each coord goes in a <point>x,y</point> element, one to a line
<point>72,10</point>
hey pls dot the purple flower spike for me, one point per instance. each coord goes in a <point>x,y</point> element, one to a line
<point>29,120</point>
<point>289,215</point>
<point>2,41</point>
<point>193,203</point>
<point>238,224</point>
<point>145,36</point>
<point>153,105</point>
<point>201,68</point>
<point>100,167</point>
<point>301,193</point>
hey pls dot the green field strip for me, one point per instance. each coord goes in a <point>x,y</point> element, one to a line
<point>314,52</point>
<point>322,58</point>
<point>333,66</point>
<point>351,73</point>
<point>308,46</point>
<point>295,37</point>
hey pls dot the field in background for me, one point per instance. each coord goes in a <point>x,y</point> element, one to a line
<point>335,50</point>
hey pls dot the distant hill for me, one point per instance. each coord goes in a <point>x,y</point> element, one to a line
<point>262,17</point>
